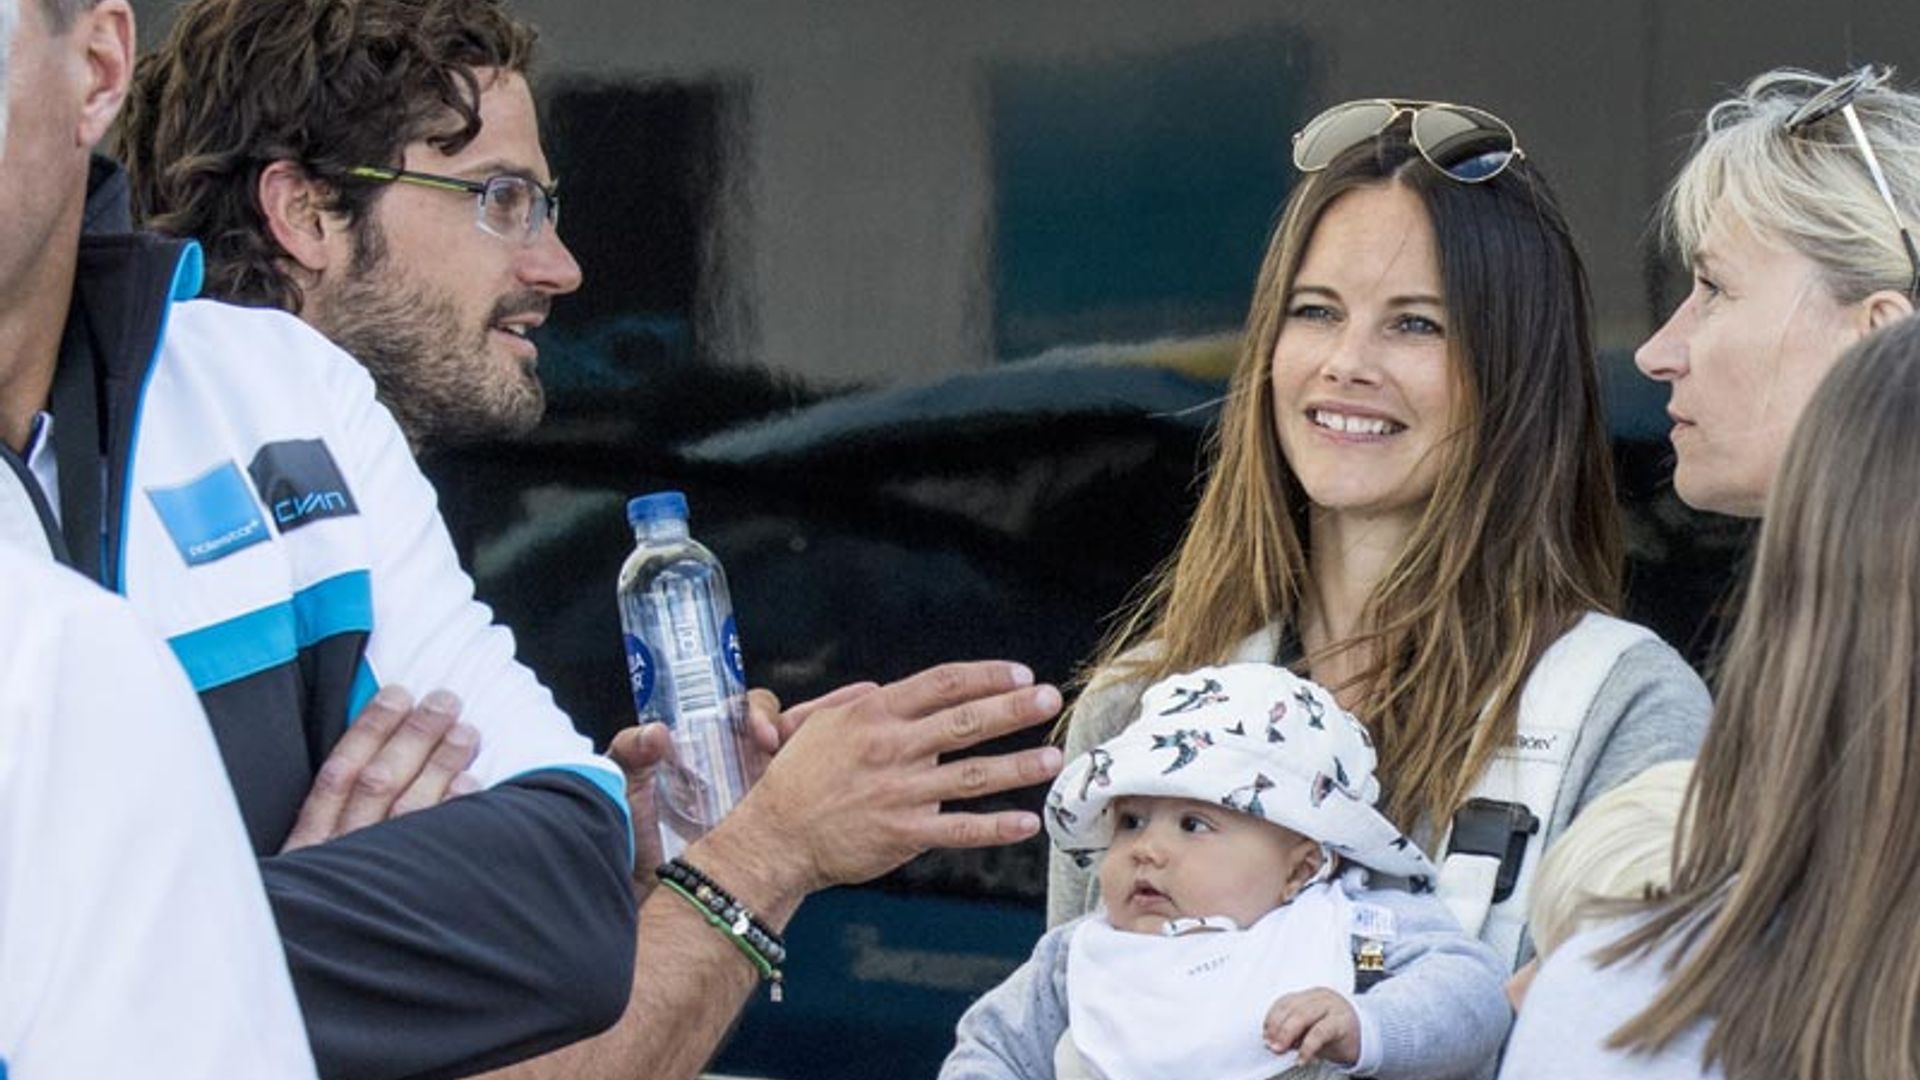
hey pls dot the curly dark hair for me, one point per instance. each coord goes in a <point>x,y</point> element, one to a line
<point>326,84</point>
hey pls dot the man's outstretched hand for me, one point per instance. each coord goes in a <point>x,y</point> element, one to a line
<point>640,750</point>
<point>856,790</point>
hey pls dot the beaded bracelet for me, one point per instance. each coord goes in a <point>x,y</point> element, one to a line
<point>709,892</point>
<point>755,940</point>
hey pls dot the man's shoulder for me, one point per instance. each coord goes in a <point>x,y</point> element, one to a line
<point>204,317</point>
<point>256,352</point>
<point>51,591</point>
<point>67,609</point>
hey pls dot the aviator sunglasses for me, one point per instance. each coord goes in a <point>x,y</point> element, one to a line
<point>1838,98</point>
<point>1467,144</point>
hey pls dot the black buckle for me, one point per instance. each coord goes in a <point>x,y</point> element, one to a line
<point>1498,829</point>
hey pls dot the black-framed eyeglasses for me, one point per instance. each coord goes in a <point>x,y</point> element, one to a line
<point>1467,144</point>
<point>510,207</point>
<point>1838,98</point>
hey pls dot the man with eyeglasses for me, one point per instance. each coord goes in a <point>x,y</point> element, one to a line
<point>407,212</point>
<point>412,220</point>
<point>230,471</point>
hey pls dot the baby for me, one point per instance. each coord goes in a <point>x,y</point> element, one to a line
<point>1237,939</point>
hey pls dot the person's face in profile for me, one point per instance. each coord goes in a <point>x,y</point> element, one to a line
<point>1363,386</point>
<point>43,160</point>
<point>1743,354</point>
<point>437,305</point>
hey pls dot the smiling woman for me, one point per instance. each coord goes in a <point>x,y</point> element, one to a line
<point>1412,502</point>
<point>1363,393</point>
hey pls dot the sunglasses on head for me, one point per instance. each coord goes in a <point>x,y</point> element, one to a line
<point>1838,98</point>
<point>1467,144</point>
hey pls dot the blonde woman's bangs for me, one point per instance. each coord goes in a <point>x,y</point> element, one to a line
<point>1810,191</point>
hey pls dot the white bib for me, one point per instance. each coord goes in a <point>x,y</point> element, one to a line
<point>1148,1007</point>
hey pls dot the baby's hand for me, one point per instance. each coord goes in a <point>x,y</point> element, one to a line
<point>1318,1023</point>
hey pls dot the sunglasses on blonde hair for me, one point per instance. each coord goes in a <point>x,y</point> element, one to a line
<point>1838,98</point>
<point>1466,144</point>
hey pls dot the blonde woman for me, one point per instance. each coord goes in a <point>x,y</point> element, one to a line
<point>1796,215</point>
<point>1787,948</point>
<point>1411,502</point>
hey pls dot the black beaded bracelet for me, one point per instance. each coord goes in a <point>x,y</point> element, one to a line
<point>734,916</point>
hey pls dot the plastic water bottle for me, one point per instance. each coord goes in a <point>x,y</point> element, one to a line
<point>684,666</point>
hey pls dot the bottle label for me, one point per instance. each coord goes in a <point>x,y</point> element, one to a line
<point>730,648</point>
<point>640,672</point>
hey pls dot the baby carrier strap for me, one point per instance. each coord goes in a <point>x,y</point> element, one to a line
<point>1494,844</point>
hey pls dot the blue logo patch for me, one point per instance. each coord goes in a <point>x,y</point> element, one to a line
<point>210,517</point>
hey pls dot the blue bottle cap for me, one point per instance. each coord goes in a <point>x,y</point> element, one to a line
<point>658,506</point>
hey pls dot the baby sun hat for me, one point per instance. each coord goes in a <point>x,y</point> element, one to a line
<point>1250,737</point>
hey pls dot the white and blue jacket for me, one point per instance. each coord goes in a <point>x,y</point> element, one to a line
<point>134,938</point>
<point>264,515</point>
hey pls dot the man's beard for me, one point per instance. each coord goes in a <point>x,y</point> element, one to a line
<point>440,380</point>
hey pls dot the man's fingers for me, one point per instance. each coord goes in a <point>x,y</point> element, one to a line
<point>319,818</point>
<point>791,719</point>
<point>399,761</point>
<point>763,720</point>
<point>948,685</point>
<point>639,751</point>
<point>367,734</point>
<point>975,776</point>
<point>976,721</point>
<point>446,763</point>
<point>975,830</point>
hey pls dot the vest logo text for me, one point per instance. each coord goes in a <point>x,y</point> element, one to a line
<point>1548,745</point>
<point>300,483</point>
<point>290,510</point>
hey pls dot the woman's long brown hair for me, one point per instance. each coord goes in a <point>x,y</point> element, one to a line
<point>1792,904</point>
<point>1519,538</point>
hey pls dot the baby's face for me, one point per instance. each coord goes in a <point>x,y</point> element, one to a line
<point>1173,858</point>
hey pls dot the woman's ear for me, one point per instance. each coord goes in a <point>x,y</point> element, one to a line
<point>1884,308</point>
